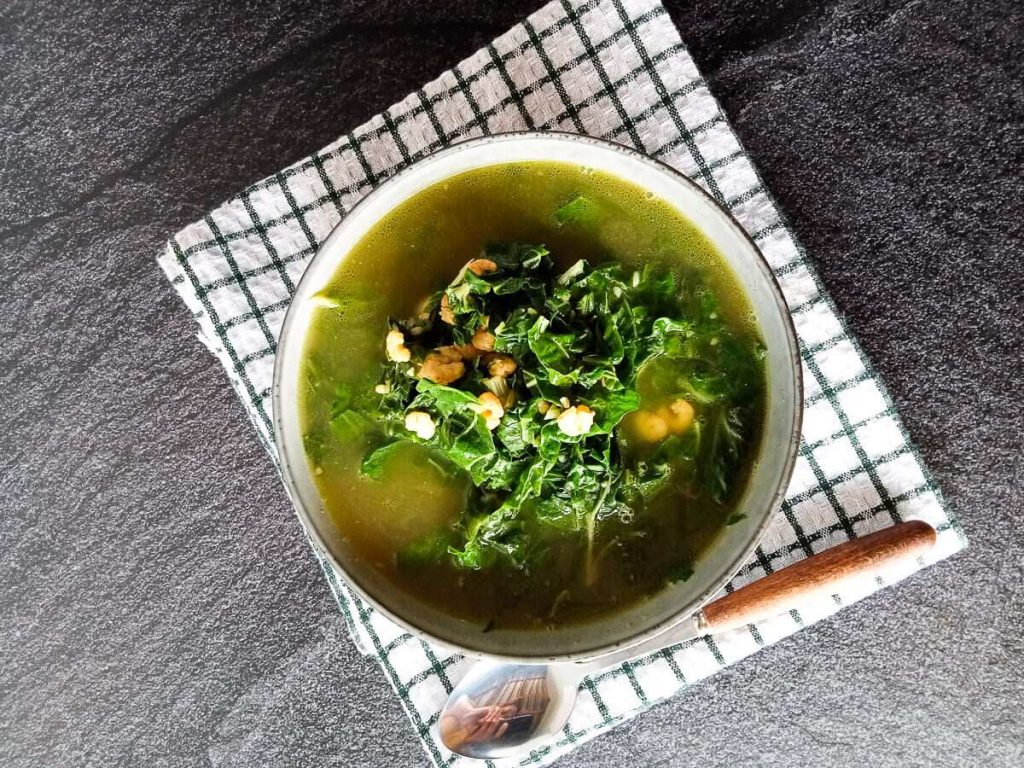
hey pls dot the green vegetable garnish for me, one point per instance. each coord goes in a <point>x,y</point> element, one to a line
<point>580,210</point>
<point>530,382</point>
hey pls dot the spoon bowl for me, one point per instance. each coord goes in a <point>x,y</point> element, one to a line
<point>500,710</point>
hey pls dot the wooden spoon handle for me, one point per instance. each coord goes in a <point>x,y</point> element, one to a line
<point>817,576</point>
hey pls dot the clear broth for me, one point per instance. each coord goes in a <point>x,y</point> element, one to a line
<point>413,251</point>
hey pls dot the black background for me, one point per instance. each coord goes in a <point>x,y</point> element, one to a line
<point>157,603</point>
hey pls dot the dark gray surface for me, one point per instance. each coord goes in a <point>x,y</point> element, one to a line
<point>158,604</point>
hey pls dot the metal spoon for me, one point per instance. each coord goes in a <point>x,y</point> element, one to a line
<point>500,709</point>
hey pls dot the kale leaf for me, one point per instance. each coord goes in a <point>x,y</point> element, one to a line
<point>570,348</point>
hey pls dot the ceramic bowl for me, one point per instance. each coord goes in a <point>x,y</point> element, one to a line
<point>643,621</point>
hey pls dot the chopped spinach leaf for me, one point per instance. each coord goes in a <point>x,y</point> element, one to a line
<point>579,210</point>
<point>374,462</point>
<point>525,378</point>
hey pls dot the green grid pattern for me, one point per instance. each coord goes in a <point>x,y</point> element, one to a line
<point>615,69</point>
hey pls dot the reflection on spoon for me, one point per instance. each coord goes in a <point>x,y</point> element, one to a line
<point>497,708</point>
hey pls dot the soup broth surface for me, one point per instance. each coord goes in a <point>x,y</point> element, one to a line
<point>411,253</point>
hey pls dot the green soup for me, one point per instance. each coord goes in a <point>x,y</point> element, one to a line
<point>530,519</point>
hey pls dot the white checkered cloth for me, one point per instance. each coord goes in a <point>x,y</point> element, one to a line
<point>616,69</point>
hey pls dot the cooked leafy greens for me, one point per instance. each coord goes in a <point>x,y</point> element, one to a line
<point>531,382</point>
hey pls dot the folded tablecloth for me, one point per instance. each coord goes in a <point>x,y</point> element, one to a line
<point>616,69</point>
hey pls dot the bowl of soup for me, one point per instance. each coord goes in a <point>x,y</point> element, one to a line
<point>537,397</point>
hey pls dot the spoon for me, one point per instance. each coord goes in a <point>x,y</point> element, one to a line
<point>501,709</point>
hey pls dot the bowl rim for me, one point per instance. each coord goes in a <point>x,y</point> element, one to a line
<point>649,633</point>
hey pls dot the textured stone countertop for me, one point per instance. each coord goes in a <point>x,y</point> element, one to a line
<point>158,606</point>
